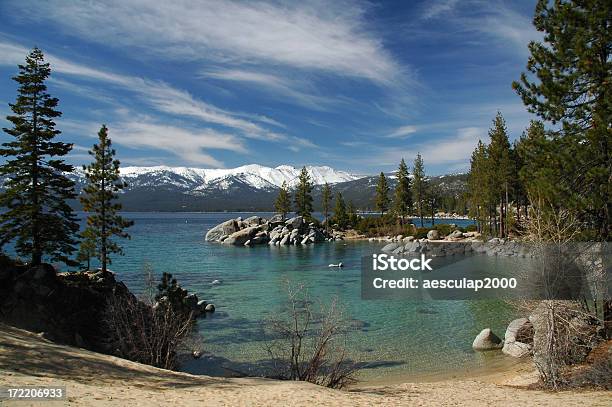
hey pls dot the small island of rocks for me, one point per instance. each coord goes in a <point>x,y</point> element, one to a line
<point>256,230</point>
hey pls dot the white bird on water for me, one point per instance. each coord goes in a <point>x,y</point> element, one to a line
<point>339,265</point>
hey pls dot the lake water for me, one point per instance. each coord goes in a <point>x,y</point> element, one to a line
<point>393,338</point>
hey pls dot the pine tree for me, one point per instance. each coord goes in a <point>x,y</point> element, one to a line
<point>326,201</point>
<point>480,188</point>
<point>402,202</point>
<point>382,194</point>
<point>36,214</point>
<point>87,247</point>
<point>340,215</point>
<point>501,168</point>
<point>351,214</point>
<point>99,199</point>
<point>282,204</point>
<point>573,91</point>
<point>418,186</point>
<point>303,195</point>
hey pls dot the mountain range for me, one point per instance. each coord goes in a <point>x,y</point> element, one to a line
<point>247,188</point>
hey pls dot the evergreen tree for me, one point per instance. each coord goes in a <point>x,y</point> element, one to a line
<point>87,247</point>
<point>418,186</point>
<point>382,194</point>
<point>571,87</point>
<point>501,168</point>
<point>433,196</point>
<point>282,204</point>
<point>326,201</point>
<point>303,195</point>
<point>340,215</point>
<point>402,202</point>
<point>36,215</point>
<point>480,191</point>
<point>99,199</point>
<point>351,214</point>
<point>573,91</point>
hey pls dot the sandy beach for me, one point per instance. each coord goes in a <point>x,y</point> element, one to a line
<point>93,379</point>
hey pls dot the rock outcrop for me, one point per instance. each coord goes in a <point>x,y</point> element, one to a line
<point>274,231</point>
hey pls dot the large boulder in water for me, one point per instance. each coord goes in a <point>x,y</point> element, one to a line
<point>240,237</point>
<point>223,229</point>
<point>487,340</point>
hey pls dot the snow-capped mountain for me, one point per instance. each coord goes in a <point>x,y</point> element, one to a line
<point>247,188</point>
<point>198,180</point>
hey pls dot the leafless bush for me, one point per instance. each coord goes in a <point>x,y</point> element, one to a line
<point>566,327</point>
<point>147,332</point>
<point>309,346</point>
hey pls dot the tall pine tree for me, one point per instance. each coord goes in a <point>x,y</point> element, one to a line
<point>501,169</point>
<point>419,186</point>
<point>36,214</point>
<point>340,215</point>
<point>303,195</point>
<point>571,87</point>
<point>282,204</point>
<point>99,199</point>
<point>402,200</point>
<point>382,194</point>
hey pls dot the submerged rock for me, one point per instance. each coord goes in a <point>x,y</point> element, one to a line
<point>487,340</point>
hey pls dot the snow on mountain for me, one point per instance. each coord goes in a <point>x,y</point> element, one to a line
<point>257,176</point>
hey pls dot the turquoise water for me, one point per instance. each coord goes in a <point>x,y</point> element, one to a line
<point>393,338</point>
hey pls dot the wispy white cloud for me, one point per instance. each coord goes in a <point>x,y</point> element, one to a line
<point>158,95</point>
<point>322,36</point>
<point>453,150</point>
<point>189,145</point>
<point>490,18</point>
<point>287,88</point>
<point>402,131</point>
<point>438,8</point>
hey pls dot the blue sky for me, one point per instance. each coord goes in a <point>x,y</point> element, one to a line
<point>350,84</point>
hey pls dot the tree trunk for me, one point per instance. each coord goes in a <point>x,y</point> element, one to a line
<point>607,317</point>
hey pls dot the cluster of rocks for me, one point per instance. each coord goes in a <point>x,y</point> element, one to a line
<point>455,235</point>
<point>440,248</point>
<point>518,340</point>
<point>529,336</point>
<point>195,305</point>
<point>274,231</point>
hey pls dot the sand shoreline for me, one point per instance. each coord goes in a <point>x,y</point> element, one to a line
<point>93,379</point>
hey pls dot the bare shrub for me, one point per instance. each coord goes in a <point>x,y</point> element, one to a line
<point>309,346</point>
<point>144,331</point>
<point>566,326</point>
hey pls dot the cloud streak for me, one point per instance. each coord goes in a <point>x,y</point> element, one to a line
<point>313,35</point>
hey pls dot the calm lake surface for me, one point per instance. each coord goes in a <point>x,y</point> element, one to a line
<point>394,338</point>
